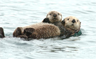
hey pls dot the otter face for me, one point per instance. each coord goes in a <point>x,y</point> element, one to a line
<point>72,23</point>
<point>54,16</point>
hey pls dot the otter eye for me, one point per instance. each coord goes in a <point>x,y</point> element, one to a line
<point>50,14</point>
<point>68,19</point>
<point>58,14</point>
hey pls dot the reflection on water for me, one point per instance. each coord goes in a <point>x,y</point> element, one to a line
<point>14,13</point>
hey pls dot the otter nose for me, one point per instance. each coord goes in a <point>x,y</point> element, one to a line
<point>73,21</point>
<point>54,15</point>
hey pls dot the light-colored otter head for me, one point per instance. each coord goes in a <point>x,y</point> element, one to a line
<point>72,23</point>
<point>54,16</point>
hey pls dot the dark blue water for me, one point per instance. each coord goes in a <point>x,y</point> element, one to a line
<point>14,13</point>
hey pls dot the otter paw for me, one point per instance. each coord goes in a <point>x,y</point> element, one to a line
<point>28,31</point>
<point>46,20</point>
<point>17,32</point>
<point>1,32</point>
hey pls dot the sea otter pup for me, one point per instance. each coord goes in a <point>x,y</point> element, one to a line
<point>42,30</point>
<point>1,33</point>
<point>53,17</point>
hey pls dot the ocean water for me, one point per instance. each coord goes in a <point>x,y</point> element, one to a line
<point>16,13</point>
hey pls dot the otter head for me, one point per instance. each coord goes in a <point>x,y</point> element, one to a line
<point>54,16</point>
<point>72,23</point>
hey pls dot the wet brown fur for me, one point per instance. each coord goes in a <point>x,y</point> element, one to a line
<point>40,30</point>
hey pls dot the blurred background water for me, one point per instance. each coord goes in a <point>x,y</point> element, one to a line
<point>14,13</point>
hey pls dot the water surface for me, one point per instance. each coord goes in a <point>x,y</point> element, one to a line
<point>14,13</point>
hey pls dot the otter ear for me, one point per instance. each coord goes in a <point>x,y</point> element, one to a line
<point>46,20</point>
<point>63,22</point>
<point>80,22</point>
